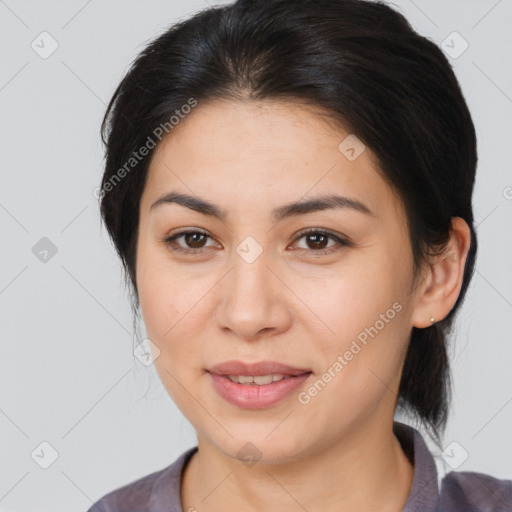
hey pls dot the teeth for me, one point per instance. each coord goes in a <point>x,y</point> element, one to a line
<point>263,379</point>
<point>260,380</point>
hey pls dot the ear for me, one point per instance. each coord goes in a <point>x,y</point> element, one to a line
<point>440,287</point>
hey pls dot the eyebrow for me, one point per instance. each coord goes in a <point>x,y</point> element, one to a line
<point>325,202</point>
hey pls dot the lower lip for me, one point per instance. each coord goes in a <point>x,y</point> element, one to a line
<point>253,396</point>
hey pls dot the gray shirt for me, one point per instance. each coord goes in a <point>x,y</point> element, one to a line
<point>459,492</point>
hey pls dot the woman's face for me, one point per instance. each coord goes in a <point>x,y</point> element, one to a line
<point>333,306</point>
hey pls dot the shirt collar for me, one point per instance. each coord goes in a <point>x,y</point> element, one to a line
<point>424,493</point>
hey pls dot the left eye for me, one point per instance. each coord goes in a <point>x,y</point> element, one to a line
<point>318,238</point>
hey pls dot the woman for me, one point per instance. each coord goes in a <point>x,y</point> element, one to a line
<point>288,185</point>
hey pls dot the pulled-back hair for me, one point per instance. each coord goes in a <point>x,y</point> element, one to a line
<point>362,64</point>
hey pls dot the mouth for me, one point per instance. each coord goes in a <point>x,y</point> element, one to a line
<point>258,369</point>
<point>256,385</point>
<point>258,380</point>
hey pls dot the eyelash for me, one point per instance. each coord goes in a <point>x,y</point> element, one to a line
<point>341,242</point>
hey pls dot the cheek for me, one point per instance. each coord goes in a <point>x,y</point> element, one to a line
<point>359,364</point>
<point>169,313</point>
<point>361,348</point>
<point>164,299</point>
<point>172,324</point>
<point>157,304</point>
<point>175,311</point>
<point>158,297</point>
<point>354,300</point>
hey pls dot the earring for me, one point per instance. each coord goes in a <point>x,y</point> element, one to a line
<point>432,320</point>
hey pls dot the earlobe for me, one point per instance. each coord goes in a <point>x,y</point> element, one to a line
<point>443,282</point>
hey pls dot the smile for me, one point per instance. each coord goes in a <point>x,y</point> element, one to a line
<point>256,385</point>
<point>260,380</point>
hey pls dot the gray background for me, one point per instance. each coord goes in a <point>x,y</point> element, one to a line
<point>68,376</point>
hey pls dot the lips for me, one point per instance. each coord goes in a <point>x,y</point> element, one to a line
<point>248,386</point>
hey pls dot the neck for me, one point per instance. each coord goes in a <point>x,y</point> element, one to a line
<point>365,471</point>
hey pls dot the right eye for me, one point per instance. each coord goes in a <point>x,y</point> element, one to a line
<point>194,240</point>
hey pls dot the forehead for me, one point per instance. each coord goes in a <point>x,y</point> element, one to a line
<point>271,149</point>
<point>264,131</point>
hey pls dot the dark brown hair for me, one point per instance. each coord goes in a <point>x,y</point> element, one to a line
<point>357,60</point>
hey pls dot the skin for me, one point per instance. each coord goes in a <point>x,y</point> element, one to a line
<point>338,451</point>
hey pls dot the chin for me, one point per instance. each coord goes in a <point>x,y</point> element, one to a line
<point>253,446</point>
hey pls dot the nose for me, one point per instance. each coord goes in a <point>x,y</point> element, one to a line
<point>253,300</point>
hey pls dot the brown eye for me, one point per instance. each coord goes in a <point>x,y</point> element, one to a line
<point>317,240</point>
<point>193,241</point>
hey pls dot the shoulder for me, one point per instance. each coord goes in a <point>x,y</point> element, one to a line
<point>130,497</point>
<point>149,492</point>
<point>466,491</point>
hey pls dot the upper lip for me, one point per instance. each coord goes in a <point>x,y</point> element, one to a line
<point>255,369</point>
